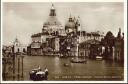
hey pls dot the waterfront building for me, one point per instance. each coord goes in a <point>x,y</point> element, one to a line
<point>77,36</point>
<point>90,48</point>
<point>55,44</point>
<point>36,44</point>
<point>119,47</point>
<point>19,47</point>
<point>108,42</point>
<point>72,39</point>
<point>113,47</point>
<point>63,46</point>
<point>91,42</point>
<point>48,39</point>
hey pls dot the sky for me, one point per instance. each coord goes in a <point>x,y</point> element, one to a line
<point>22,19</point>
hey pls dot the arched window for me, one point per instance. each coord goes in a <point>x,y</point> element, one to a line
<point>24,50</point>
<point>18,49</point>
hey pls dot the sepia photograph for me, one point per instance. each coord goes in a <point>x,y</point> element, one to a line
<point>63,41</point>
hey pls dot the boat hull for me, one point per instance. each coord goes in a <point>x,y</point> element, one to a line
<point>38,77</point>
<point>78,61</point>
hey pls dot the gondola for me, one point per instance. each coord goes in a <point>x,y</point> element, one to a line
<point>38,75</point>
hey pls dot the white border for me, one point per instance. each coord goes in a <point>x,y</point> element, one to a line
<point>125,41</point>
<point>62,0</point>
<point>1,43</point>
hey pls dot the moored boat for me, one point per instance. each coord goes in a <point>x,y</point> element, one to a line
<point>78,60</point>
<point>99,58</point>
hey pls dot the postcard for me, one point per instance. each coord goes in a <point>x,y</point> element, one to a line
<point>69,41</point>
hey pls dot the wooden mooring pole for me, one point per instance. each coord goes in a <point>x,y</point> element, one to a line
<point>18,68</point>
<point>13,66</point>
<point>22,67</point>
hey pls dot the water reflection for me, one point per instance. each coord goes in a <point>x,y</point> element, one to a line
<point>57,65</point>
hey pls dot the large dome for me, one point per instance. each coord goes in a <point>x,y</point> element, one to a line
<point>52,20</point>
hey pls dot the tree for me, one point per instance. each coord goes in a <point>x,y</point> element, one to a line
<point>109,41</point>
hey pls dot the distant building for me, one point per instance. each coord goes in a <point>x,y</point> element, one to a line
<point>35,46</point>
<point>18,47</point>
<point>113,47</point>
<point>90,48</point>
<point>108,44</point>
<point>7,49</point>
<point>119,47</point>
<point>81,39</point>
<point>55,44</point>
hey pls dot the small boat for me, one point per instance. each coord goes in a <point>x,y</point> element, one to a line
<point>38,74</point>
<point>78,60</point>
<point>66,65</point>
<point>99,58</point>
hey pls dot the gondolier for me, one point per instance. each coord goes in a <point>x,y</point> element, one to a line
<point>46,73</point>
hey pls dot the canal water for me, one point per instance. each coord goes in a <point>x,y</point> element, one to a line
<point>92,70</point>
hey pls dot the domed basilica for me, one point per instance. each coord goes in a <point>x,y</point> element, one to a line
<point>56,39</point>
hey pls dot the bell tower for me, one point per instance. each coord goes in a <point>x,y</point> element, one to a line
<point>119,33</point>
<point>16,42</point>
<point>78,26</point>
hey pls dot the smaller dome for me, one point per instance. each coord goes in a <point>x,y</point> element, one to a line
<point>70,25</point>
